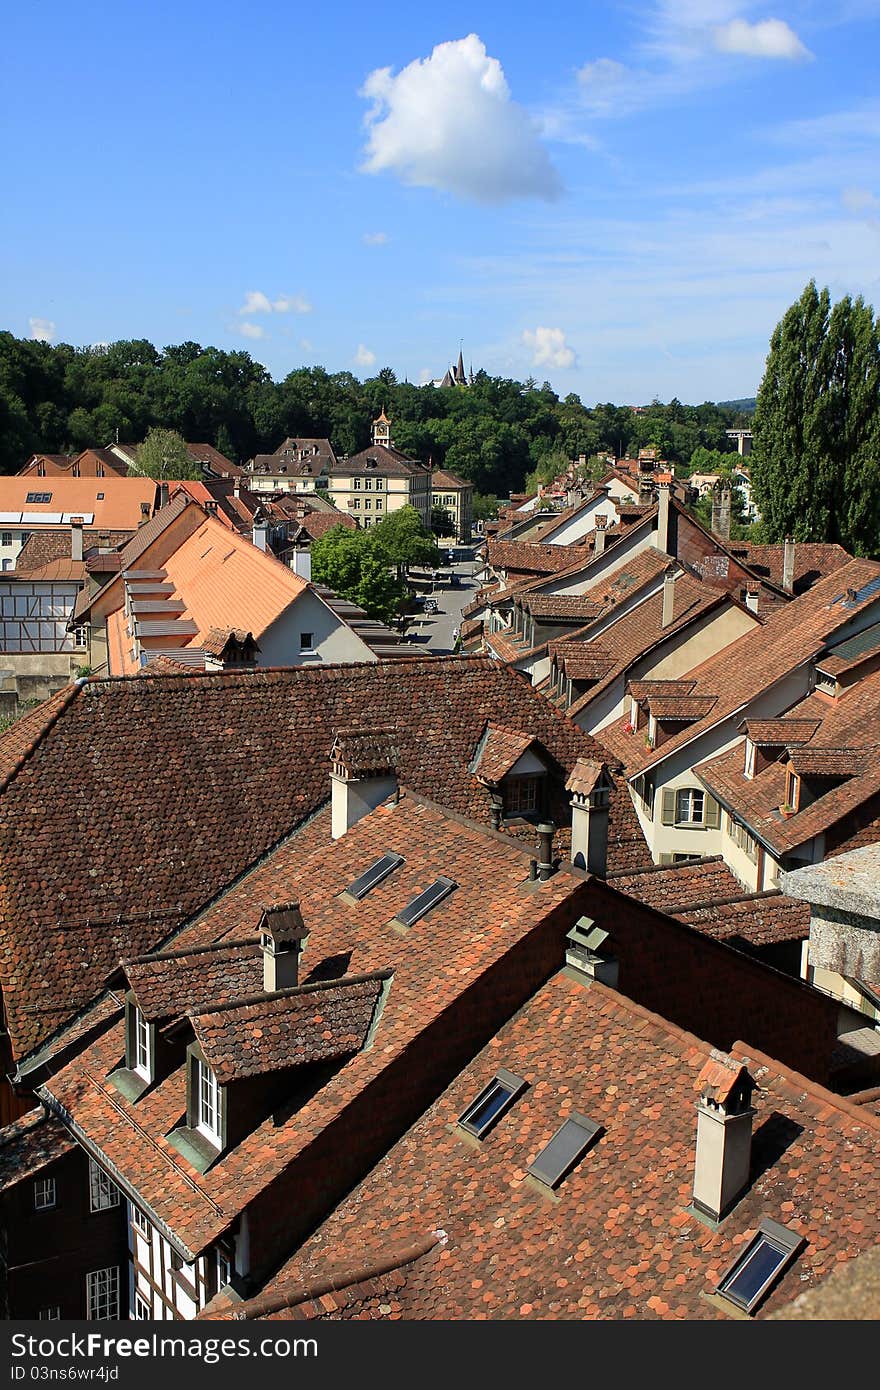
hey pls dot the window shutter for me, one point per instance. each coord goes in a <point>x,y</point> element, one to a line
<point>667,814</point>
<point>711,813</point>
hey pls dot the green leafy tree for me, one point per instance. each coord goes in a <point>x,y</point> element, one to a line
<point>442,523</point>
<point>404,541</point>
<point>164,455</point>
<point>815,462</point>
<point>354,564</point>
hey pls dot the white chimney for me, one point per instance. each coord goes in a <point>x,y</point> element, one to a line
<point>363,774</point>
<point>668,597</point>
<point>664,494</point>
<point>76,538</point>
<point>590,787</point>
<point>724,1135</point>
<point>752,596</point>
<point>599,534</point>
<point>261,534</point>
<point>302,563</point>
<point>788,565</point>
<point>283,938</point>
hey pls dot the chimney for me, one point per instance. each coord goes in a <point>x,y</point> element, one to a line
<point>76,538</point>
<point>145,514</point>
<point>261,534</point>
<point>211,507</point>
<point>363,774</point>
<point>163,495</point>
<point>668,596</point>
<point>599,534</point>
<point>236,488</point>
<point>302,563</point>
<point>788,565</point>
<point>283,938</point>
<point>496,814</point>
<point>583,953</point>
<point>721,511</point>
<point>590,788</point>
<point>752,596</point>
<point>664,508</point>
<point>724,1135</point>
<point>546,868</point>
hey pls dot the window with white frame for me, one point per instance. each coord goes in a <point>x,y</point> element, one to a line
<point>224,1269</point>
<point>6,538</point>
<point>102,1294</point>
<point>139,1221</point>
<point>689,806</point>
<point>51,1314</point>
<point>103,1192</point>
<point>142,1310</point>
<point>750,759</point>
<point>143,1046</point>
<point>207,1102</point>
<point>81,635</point>
<point>44,1194</point>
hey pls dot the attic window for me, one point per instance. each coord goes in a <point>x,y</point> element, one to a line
<point>753,1271</point>
<point>492,1102</point>
<point>564,1150</point>
<point>206,1098</point>
<point>522,796</point>
<point>35,497</point>
<point>425,901</point>
<point>374,875</point>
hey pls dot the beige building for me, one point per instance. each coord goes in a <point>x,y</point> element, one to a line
<point>380,480</point>
<point>456,496</point>
<point>297,465</point>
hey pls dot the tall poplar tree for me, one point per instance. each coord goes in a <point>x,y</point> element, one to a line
<point>815,463</point>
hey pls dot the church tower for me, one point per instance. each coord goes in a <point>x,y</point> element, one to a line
<point>382,430</point>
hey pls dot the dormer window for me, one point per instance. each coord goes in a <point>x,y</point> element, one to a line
<point>207,1101</point>
<point>749,768</point>
<point>792,790</point>
<point>140,1046</point>
<point>143,1046</point>
<point>522,796</point>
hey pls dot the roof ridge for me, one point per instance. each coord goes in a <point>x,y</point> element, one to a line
<point>657,868</point>
<point>819,1094</point>
<point>293,992</point>
<point>725,902</point>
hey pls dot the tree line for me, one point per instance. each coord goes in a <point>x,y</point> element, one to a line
<point>58,399</point>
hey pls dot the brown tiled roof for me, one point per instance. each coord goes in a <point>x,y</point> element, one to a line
<point>363,752</point>
<point>377,459</point>
<point>812,560</point>
<point>563,606</point>
<point>584,777</point>
<point>759,658</point>
<point>290,1028</point>
<point>681,706</point>
<point>627,847</point>
<point>216,639</point>
<point>500,751</point>
<point>317,524</point>
<point>172,983</point>
<point>29,1143</point>
<point>780,732</point>
<point>42,547</point>
<point>642,689</point>
<point>491,909</point>
<point>675,886</point>
<point>719,1077</point>
<point>620,1240</point>
<point>442,478</point>
<point>842,739</point>
<point>524,558</point>
<point>129,803</point>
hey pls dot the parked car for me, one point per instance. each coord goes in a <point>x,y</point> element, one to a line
<point>431,605</point>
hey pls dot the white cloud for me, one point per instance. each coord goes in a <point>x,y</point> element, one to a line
<point>859,200</point>
<point>292,304</point>
<point>549,348</point>
<point>364,357</point>
<point>42,329</point>
<point>306,344</point>
<point>769,38</point>
<point>375,238</point>
<point>252,330</point>
<point>448,122</point>
<point>255,302</point>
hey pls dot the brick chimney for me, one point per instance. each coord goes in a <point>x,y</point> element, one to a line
<point>724,1135</point>
<point>76,537</point>
<point>668,596</point>
<point>788,565</point>
<point>363,774</point>
<point>283,938</point>
<point>590,787</point>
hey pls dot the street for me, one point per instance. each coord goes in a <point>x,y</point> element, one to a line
<point>432,632</point>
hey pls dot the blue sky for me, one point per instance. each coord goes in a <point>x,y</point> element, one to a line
<point>620,199</point>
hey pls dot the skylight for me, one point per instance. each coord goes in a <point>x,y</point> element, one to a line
<point>762,1261</point>
<point>35,497</point>
<point>492,1102</point>
<point>425,901</point>
<point>565,1149</point>
<point>374,875</point>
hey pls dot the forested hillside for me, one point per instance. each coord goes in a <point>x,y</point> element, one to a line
<point>60,398</point>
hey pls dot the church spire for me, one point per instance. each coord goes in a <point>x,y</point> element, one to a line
<point>460,377</point>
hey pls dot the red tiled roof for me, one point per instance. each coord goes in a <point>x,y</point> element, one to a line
<point>619,1240</point>
<point>171,983</point>
<point>500,751</point>
<point>130,803</point>
<point>27,1145</point>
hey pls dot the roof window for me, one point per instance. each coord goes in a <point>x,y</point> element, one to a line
<point>564,1150</point>
<point>753,1271</point>
<point>34,497</point>
<point>492,1102</point>
<point>425,901</point>
<point>374,875</point>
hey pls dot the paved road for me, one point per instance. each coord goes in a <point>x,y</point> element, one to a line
<point>433,632</point>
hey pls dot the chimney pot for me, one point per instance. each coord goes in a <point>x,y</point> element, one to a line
<point>668,597</point>
<point>752,596</point>
<point>283,938</point>
<point>545,850</point>
<point>788,565</point>
<point>724,1135</point>
<point>76,538</point>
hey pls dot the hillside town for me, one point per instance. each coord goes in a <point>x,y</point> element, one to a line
<point>514,955</point>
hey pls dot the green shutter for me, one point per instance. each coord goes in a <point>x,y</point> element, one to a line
<point>711,813</point>
<point>667,814</point>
